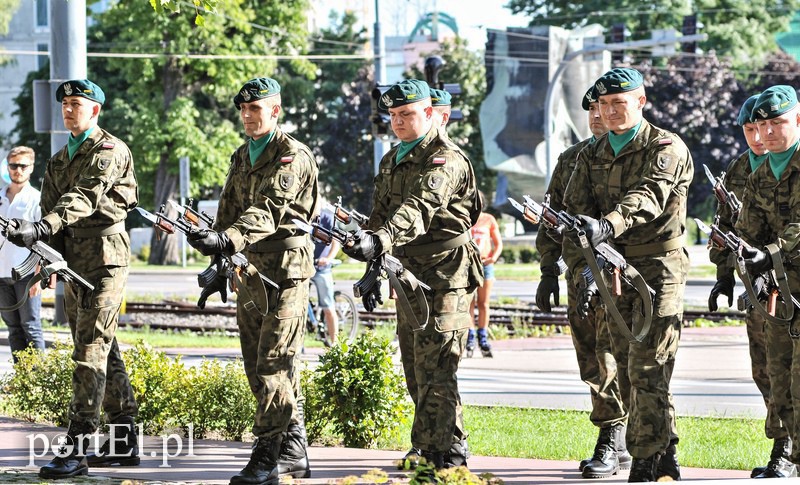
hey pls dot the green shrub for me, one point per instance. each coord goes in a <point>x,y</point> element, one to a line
<point>364,396</point>
<point>218,398</point>
<point>40,388</point>
<point>509,254</point>
<point>160,385</point>
<point>316,412</point>
<point>460,475</point>
<point>144,253</point>
<point>528,254</point>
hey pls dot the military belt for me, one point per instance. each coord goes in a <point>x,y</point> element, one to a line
<point>90,232</point>
<point>639,250</point>
<point>277,245</point>
<point>434,247</point>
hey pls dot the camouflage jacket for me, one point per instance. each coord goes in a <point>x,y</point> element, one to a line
<point>551,250</point>
<point>642,192</point>
<point>94,190</point>
<point>258,203</point>
<point>771,214</point>
<point>429,197</point>
<point>734,180</point>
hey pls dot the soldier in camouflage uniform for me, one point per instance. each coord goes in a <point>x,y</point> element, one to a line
<point>590,335</point>
<point>735,180</point>
<point>424,203</point>
<point>88,189</point>
<point>272,180</point>
<point>629,187</point>
<point>770,211</point>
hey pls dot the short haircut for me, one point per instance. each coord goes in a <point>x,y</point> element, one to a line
<point>22,151</point>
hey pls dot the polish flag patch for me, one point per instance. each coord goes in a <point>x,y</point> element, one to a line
<point>108,145</point>
<point>665,141</point>
<point>439,161</point>
<point>287,159</point>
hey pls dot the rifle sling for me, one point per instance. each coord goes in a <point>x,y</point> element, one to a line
<point>44,273</point>
<point>408,279</point>
<point>783,288</point>
<point>252,303</point>
<point>639,285</point>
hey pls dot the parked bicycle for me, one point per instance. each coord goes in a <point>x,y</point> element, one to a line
<point>346,313</point>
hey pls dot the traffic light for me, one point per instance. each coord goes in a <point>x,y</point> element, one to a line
<point>381,123</point>
<point>689,28</point>
<point>617,37</point>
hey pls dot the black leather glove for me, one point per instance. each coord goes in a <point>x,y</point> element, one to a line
<point>25,234</point>
<point>373,298</point>
<point>209,242</point>
<point>366,247</point>
<point>548,285</point>
<point>555,233</point>
<point>218,285</point>
<point>756,260</point>
<point>723,286</point>
<point>586,299</point>
<point>597,230</point>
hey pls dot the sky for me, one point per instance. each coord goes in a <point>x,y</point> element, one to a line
<point>398,17</point>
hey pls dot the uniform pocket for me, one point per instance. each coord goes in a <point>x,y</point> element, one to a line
<point>451,309</point>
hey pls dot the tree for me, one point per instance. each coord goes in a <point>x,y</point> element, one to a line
<point>699,99</point>
<point>170,106</point>
<point>740,29</point>
<point>7,10</point>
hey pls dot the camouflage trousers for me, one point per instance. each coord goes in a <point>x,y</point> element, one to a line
<point>271,347</point>
<point>597,366</point>
<point>783,364</point>
<point>645,369</point>
<point>774,428</point>
<point>430,360</point>
<point>100,375</point>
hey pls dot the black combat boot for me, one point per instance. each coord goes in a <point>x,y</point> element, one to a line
<point>644,469</point>
<point>458,454</point>
<point>411,460</point>
<point>779,465</point>
<point>122,433</point>
<point>70,460</point>
<point>262,469</point>
<point>625,459</point>
<point>668,467</point>
<point>604,462</point>
<point>293,460</point>
<point>434,458</point>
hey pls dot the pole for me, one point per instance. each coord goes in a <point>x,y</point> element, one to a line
<point>379,51</point>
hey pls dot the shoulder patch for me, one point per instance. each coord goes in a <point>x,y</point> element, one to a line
<point>665,141</point>
<point>287,159</point>
<point>107,145</point>
<point>439,161</point>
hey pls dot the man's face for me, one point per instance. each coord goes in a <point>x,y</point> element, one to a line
<point>622,111</point>
<point>20,169</point>
<point>778,134</point>
<point>754,139</point>
<point>411,121</point>
<point>79,113</point>
<point>596,125</point>
<point>259,117</point>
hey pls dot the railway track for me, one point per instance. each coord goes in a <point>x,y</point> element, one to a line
<point>178,315</point>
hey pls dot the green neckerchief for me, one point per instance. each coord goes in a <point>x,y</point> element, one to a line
<point>779,161</point>
<point>73,143</point>
<point>406,147</point>
<point>257,146</point>
<point>618,142</point>
<point>594,138</point>
<point>756,160</point>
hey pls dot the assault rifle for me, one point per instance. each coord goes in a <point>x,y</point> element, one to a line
<point>348,216</point>
<point>765,285</point>
<point>223,269</point>
<point>723,195</point>
<point>48,259</point>
<point>384,266</point>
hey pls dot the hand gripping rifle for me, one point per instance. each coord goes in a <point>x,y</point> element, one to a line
<point>224,271</point>
<point>600,258</point>
<point>723,195</point>
<point>771,284</point>
<point>368,288</point>
<point>48,260</point>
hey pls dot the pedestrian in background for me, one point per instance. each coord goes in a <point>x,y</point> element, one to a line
<point>486,234</point>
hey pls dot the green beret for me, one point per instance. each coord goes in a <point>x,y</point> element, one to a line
<point>619,80</point>
<point>440,97</point>
<point>255,89</point>
<point>403,93</point>
<point>81,87</point>
<point>747,110</point>
<point>589,98</point>
<point>774,102</point>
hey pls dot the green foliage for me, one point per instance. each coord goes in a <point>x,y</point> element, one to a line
<point>218,397</point>
<point>528,254</point>
<point>519,253</point>
<point>315,413</point>
<point>460,475</point>
<point>7,10</point>
<point>40,388</point>
<point>365,396</point>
